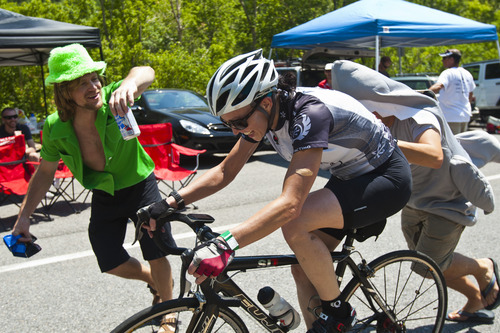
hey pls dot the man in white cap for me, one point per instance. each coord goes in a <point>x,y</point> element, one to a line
<point>455,86</point>
<point>327,83</point>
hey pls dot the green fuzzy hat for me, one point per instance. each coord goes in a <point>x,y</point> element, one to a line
<point>71,62</point>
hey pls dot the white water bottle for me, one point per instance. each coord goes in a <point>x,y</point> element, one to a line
<point>279,308</point>
<point>32,122</point>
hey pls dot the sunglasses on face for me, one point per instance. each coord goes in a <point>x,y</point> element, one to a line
<point>242,123</point>
<point>10,117</point>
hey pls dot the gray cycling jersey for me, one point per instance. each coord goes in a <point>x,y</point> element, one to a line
<point>354,141</point>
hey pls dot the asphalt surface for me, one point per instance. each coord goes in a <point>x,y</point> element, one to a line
<point>61,288</point>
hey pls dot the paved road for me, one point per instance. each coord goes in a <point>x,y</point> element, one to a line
<point>61,289</point>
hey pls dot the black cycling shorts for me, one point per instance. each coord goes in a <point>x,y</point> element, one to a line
<point>374,196</point>
<point>108,223</point>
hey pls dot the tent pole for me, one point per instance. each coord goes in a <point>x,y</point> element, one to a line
<point>270,53</point>
<point>498,48</point>
<point>400,55</point>
<point>43,85</point>
<point>377,50</point>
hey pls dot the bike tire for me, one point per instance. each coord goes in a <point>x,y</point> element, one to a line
<point>417,300</point>
<point>148,319</point>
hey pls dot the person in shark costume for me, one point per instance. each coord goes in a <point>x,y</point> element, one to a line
<point>447,186</point>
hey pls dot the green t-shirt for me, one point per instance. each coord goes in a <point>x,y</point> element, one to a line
<point>126,161</point>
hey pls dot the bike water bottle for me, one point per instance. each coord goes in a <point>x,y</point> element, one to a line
<point>279,308</point>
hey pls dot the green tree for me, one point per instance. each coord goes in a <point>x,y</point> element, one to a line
<point>185,41</point>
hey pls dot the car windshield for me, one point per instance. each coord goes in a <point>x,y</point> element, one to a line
<point>174,99</point>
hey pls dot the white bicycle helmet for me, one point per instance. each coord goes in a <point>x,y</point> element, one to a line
<point>240,81</point>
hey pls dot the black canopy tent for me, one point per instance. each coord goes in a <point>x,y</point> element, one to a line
<point>27,41</point>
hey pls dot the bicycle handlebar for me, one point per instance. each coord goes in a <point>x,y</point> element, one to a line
<point>197,223</point>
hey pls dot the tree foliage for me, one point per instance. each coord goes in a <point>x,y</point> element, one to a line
<point>186,40</point>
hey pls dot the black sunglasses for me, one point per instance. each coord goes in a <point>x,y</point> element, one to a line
<point>242,123</point>
<point>10,117</point>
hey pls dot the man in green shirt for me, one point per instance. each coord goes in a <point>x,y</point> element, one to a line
<point>85,135</point>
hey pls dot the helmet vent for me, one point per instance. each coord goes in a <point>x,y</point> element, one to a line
<point>264,71</point>
<point>232,68</point>
<point>221,101</point>
<point>230,79</point>
<point>246,90</point>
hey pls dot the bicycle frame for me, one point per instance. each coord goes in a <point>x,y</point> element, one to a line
<point>235,296</point>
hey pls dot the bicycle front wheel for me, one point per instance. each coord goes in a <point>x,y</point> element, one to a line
<point>184,311</point>
<point>411,289</point>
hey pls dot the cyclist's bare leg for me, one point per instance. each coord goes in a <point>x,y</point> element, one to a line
<point>305,295</point>
<point>306,292</point>
<point>320,210</point>
<point>456,278</point>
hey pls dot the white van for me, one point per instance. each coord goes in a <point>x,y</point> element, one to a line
<point>487,78</point>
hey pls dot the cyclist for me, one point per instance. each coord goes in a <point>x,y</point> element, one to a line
<point>319,129</point>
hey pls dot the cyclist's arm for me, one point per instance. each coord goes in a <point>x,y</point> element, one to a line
<point>219,176</point>
<point>425,151</point>
<point>38,186</point>
<point>298,182</point>
<point>299,179</point>
<point>214,179</point>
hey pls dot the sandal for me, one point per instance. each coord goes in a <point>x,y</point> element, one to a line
<point>168,324</point>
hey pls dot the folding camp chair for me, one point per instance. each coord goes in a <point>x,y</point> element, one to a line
<point>14,172</point>
<point>63,187</point>
<point>157,141</point>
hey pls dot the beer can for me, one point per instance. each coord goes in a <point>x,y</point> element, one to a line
<point>127,125</point>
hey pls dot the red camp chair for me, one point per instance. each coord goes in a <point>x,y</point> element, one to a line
<point>14,172</point>
<point>157,141</point>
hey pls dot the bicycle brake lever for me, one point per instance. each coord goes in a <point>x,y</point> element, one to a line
<point>186,258</point>
<point>142,217</point>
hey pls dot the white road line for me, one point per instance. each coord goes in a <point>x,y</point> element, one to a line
<point>77,255</point>
<point>73,256</point>
<point>493,177</point>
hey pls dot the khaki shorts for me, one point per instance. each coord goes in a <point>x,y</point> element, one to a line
<point>433,235</point>
<point>458,127</point>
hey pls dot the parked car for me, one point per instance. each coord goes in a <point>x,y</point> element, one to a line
<point>192,123</point>
<point>417,81</point>
<point>486,75</point>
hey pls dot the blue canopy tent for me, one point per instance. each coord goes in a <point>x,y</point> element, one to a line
<point>385,23</point>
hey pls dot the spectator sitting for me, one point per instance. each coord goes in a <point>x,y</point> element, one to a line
<point>327,83</point>
<point>10,126</point>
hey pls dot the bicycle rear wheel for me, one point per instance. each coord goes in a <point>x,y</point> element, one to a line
<point>412,288</point>
<point>149,319</point>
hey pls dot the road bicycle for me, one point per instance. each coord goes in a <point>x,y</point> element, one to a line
<point>401,291</point>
